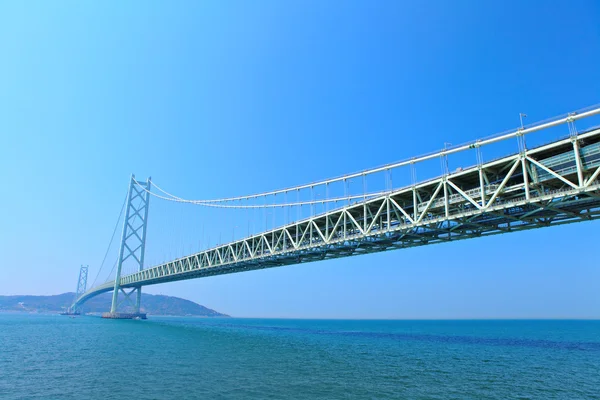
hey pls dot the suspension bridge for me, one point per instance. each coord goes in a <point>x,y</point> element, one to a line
<point>548,184</point>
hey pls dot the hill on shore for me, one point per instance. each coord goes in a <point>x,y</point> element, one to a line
<point>151,304</point>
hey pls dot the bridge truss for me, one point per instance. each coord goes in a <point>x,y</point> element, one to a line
<point>554,184</point>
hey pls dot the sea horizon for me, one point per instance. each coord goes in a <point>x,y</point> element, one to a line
<point>97,314</point>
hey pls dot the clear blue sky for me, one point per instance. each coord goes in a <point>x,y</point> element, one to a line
<point>225,98</point>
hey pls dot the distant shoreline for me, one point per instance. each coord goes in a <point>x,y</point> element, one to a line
<point>158,305</point>
<point>95,314</point>
<point>532,319</point>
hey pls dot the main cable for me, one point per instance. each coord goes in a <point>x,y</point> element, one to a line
<point>111,271</point>
<point>276,205</point>
<point>111,241</point>
<point>548,123</point>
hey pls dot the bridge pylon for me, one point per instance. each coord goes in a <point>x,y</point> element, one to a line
<point>132,248</point>
<point>81,288</point>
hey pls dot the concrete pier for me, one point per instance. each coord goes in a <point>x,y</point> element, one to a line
<point>118,315</point>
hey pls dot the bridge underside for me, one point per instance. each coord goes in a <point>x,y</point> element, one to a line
<point>551,185</point>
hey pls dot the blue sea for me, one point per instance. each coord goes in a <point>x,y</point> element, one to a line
<point>57,357</point>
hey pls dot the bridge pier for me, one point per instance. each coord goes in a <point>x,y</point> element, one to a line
<point>138,299</point>
<point>118,315</point>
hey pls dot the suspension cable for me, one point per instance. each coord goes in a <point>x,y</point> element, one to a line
<point>275,205</point>
<point>112,270</point>
<point>548,123</point>
<point>111,241</point>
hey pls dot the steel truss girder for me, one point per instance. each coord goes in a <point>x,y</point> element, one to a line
<point>502,196</point>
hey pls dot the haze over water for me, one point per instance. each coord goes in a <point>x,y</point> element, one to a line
<point>54,357</point>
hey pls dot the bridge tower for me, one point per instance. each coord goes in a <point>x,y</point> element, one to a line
<point>81,288</point>
<point>133,246</point>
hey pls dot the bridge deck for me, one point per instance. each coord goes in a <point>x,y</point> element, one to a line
<point>553,184</point>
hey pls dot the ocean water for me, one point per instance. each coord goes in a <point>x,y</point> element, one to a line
<point>56,357</point>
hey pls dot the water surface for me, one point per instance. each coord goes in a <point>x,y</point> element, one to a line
<point>56,357</point>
